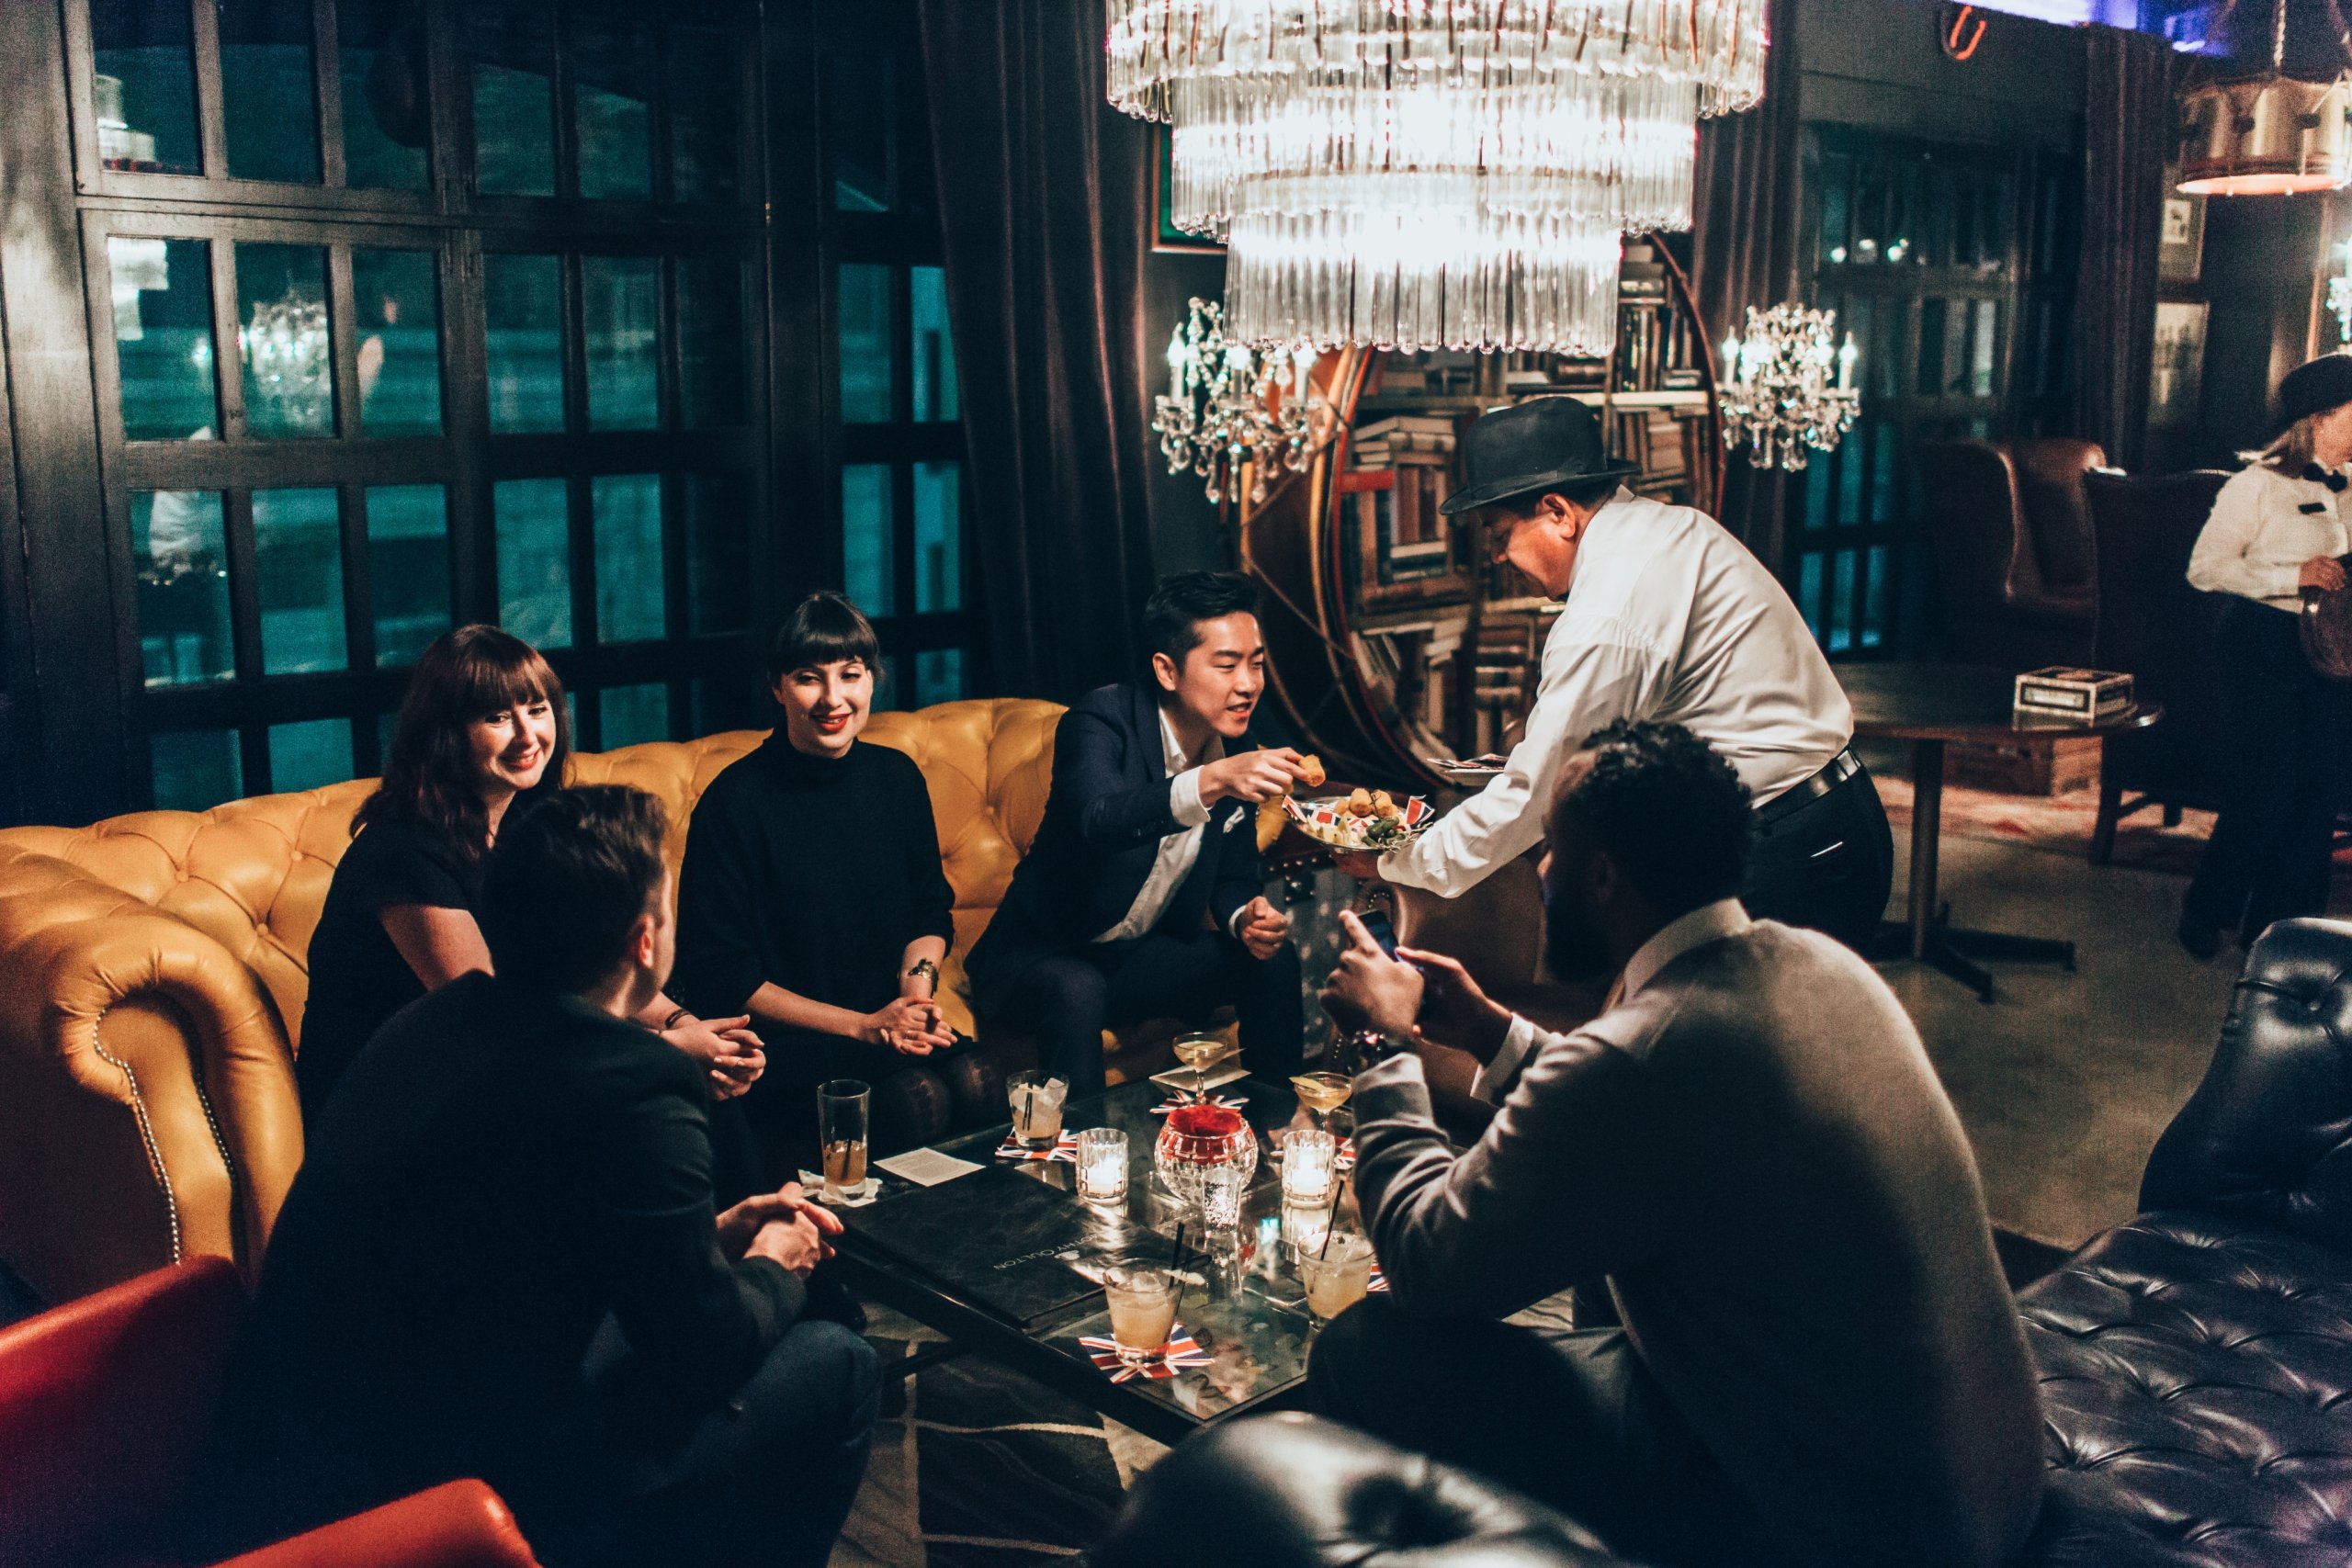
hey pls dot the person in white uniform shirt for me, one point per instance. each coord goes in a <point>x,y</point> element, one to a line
<point>1667,618</point>
<point>2278,528</point>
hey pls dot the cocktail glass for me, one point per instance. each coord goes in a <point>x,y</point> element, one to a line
<point>1337,1274</point>
<point>1323,1093</point>
<point>1143,1311</point>
<point>1196,1052</point>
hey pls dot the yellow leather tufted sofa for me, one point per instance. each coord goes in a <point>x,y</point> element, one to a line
<point>153,974</point>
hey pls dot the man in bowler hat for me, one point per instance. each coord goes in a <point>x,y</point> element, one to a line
<point>1667,618</point>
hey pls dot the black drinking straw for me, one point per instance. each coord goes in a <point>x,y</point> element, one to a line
<point>1176,1254</point>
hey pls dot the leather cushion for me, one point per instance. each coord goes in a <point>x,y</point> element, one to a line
<point>1291,1489</point>
<point>2195,1374</point>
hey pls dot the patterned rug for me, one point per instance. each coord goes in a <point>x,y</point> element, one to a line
<point>2059,824</point>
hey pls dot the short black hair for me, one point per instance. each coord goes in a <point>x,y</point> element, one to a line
<point>1183,600</point>
<point>565,884</point>
<point>823,628</point>
<point>1669,811</point>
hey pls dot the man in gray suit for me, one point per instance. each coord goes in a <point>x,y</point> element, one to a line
<point>1819,1362</point>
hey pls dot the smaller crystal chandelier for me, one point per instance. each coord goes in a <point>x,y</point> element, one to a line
<point>1777,391</point>
<point>1228,406</point>
<point>287,346</point>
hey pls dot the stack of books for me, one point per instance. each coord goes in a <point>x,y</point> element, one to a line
<point>1380,444</point>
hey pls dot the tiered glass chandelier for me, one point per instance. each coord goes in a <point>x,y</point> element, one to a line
<point>1420,174</point>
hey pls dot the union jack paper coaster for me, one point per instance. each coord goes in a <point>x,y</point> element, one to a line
<point>1064,1149</point>
<point>1230,1101</point>
<point>1183,1354</point>
<point>1379,1281</point>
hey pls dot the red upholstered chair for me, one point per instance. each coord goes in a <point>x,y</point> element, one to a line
<point>103,1402</point>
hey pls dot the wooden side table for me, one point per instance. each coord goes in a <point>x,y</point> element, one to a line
<point>1931,705</point>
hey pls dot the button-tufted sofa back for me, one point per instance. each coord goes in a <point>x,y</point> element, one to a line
<point>156,973</point>
<point>2267,1136</point>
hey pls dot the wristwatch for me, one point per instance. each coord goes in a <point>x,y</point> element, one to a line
<point>928,970</point>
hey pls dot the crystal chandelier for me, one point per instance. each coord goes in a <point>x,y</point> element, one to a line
<point>1777,393</point>
<point>286,344</point>
<point>1228,405</point>
<point>1421,174</point>
<point>2339,300</point>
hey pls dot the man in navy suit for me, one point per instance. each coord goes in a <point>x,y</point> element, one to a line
<point>1143,896</point>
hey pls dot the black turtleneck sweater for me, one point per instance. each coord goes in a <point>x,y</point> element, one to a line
<point>810,873</point>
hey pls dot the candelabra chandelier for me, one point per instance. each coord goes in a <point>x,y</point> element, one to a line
<point>1230,405</point>
<point>1777,392</point>
<point>286,343</point>
<point>1420,174</point>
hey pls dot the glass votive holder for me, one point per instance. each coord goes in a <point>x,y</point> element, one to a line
<point>1310,1165</point>
<point>1103,1165</point>
<point>1221,1189</point>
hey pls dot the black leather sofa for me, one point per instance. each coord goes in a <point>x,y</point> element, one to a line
<point>2196,1363</point>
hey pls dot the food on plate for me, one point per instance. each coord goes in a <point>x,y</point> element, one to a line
<point>1382,805</point>
<point>1360,802</point>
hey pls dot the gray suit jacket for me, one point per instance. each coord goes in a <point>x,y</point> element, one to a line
<point>1754,1150</point>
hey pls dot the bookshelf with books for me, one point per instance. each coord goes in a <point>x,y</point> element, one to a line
<point>1394,639</point>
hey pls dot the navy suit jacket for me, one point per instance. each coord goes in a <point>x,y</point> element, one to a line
<point>1107,811</point>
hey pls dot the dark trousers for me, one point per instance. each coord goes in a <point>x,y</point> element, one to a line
<point>1574,1420</point>
<point>766,1478</point>
<point>2268,858</point>
<point>1069,999</point>
<point>1827,864</point>
<point>914,1100</point>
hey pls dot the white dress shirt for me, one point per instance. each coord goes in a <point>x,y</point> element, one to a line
<point>1178,851</point>
<point>1668,617</point>
<point>1708,923</point>
<point>2264,526</point>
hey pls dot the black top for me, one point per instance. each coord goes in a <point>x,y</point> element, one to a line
<point>358,977</point>
<point>810,872</point>
<point>1111,805</point>
<point>500,1170</point>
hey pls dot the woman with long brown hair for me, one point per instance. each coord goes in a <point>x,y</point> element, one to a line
<point>483,732</point>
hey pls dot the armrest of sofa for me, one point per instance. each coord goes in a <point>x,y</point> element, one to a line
<point>2265,1138</point>
<point>1294,1490</point>
<point>459,1524</point>
<point>147,1102</point>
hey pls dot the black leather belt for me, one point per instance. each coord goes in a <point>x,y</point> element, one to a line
<point>1799,795</point>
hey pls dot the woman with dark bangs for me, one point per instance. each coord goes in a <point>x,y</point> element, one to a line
<point>812,899</point>
<point>483,732</point>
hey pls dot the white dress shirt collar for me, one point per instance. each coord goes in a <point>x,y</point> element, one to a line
<point>1708,923</point>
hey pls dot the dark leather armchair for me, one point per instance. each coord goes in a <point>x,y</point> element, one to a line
<point>2153,625</point>
<point>103,1402</point>
<point>1291,1489</point>
<point>2013,548</point>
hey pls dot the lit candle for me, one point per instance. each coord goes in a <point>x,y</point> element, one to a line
<point>1730,359</point>
<point>1103,1165</point>
<point>1309,1160</point>
<point>1176,363</point>
<point>1846,357</point>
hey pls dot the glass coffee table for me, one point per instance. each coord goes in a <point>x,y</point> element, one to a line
<point>935,1255</point>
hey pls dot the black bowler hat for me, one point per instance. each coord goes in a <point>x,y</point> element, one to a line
<point>1533,446</point>
<point>2314,388</point>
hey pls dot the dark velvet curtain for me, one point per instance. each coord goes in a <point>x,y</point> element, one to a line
<point>2128,95</point>
<point>1043,197</point>
<point>1746,219</point>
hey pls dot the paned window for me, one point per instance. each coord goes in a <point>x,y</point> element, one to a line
<point>357,391</point>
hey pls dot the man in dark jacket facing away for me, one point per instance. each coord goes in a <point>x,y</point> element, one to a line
<point>503,1260</point>
<point>1143,896</point>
